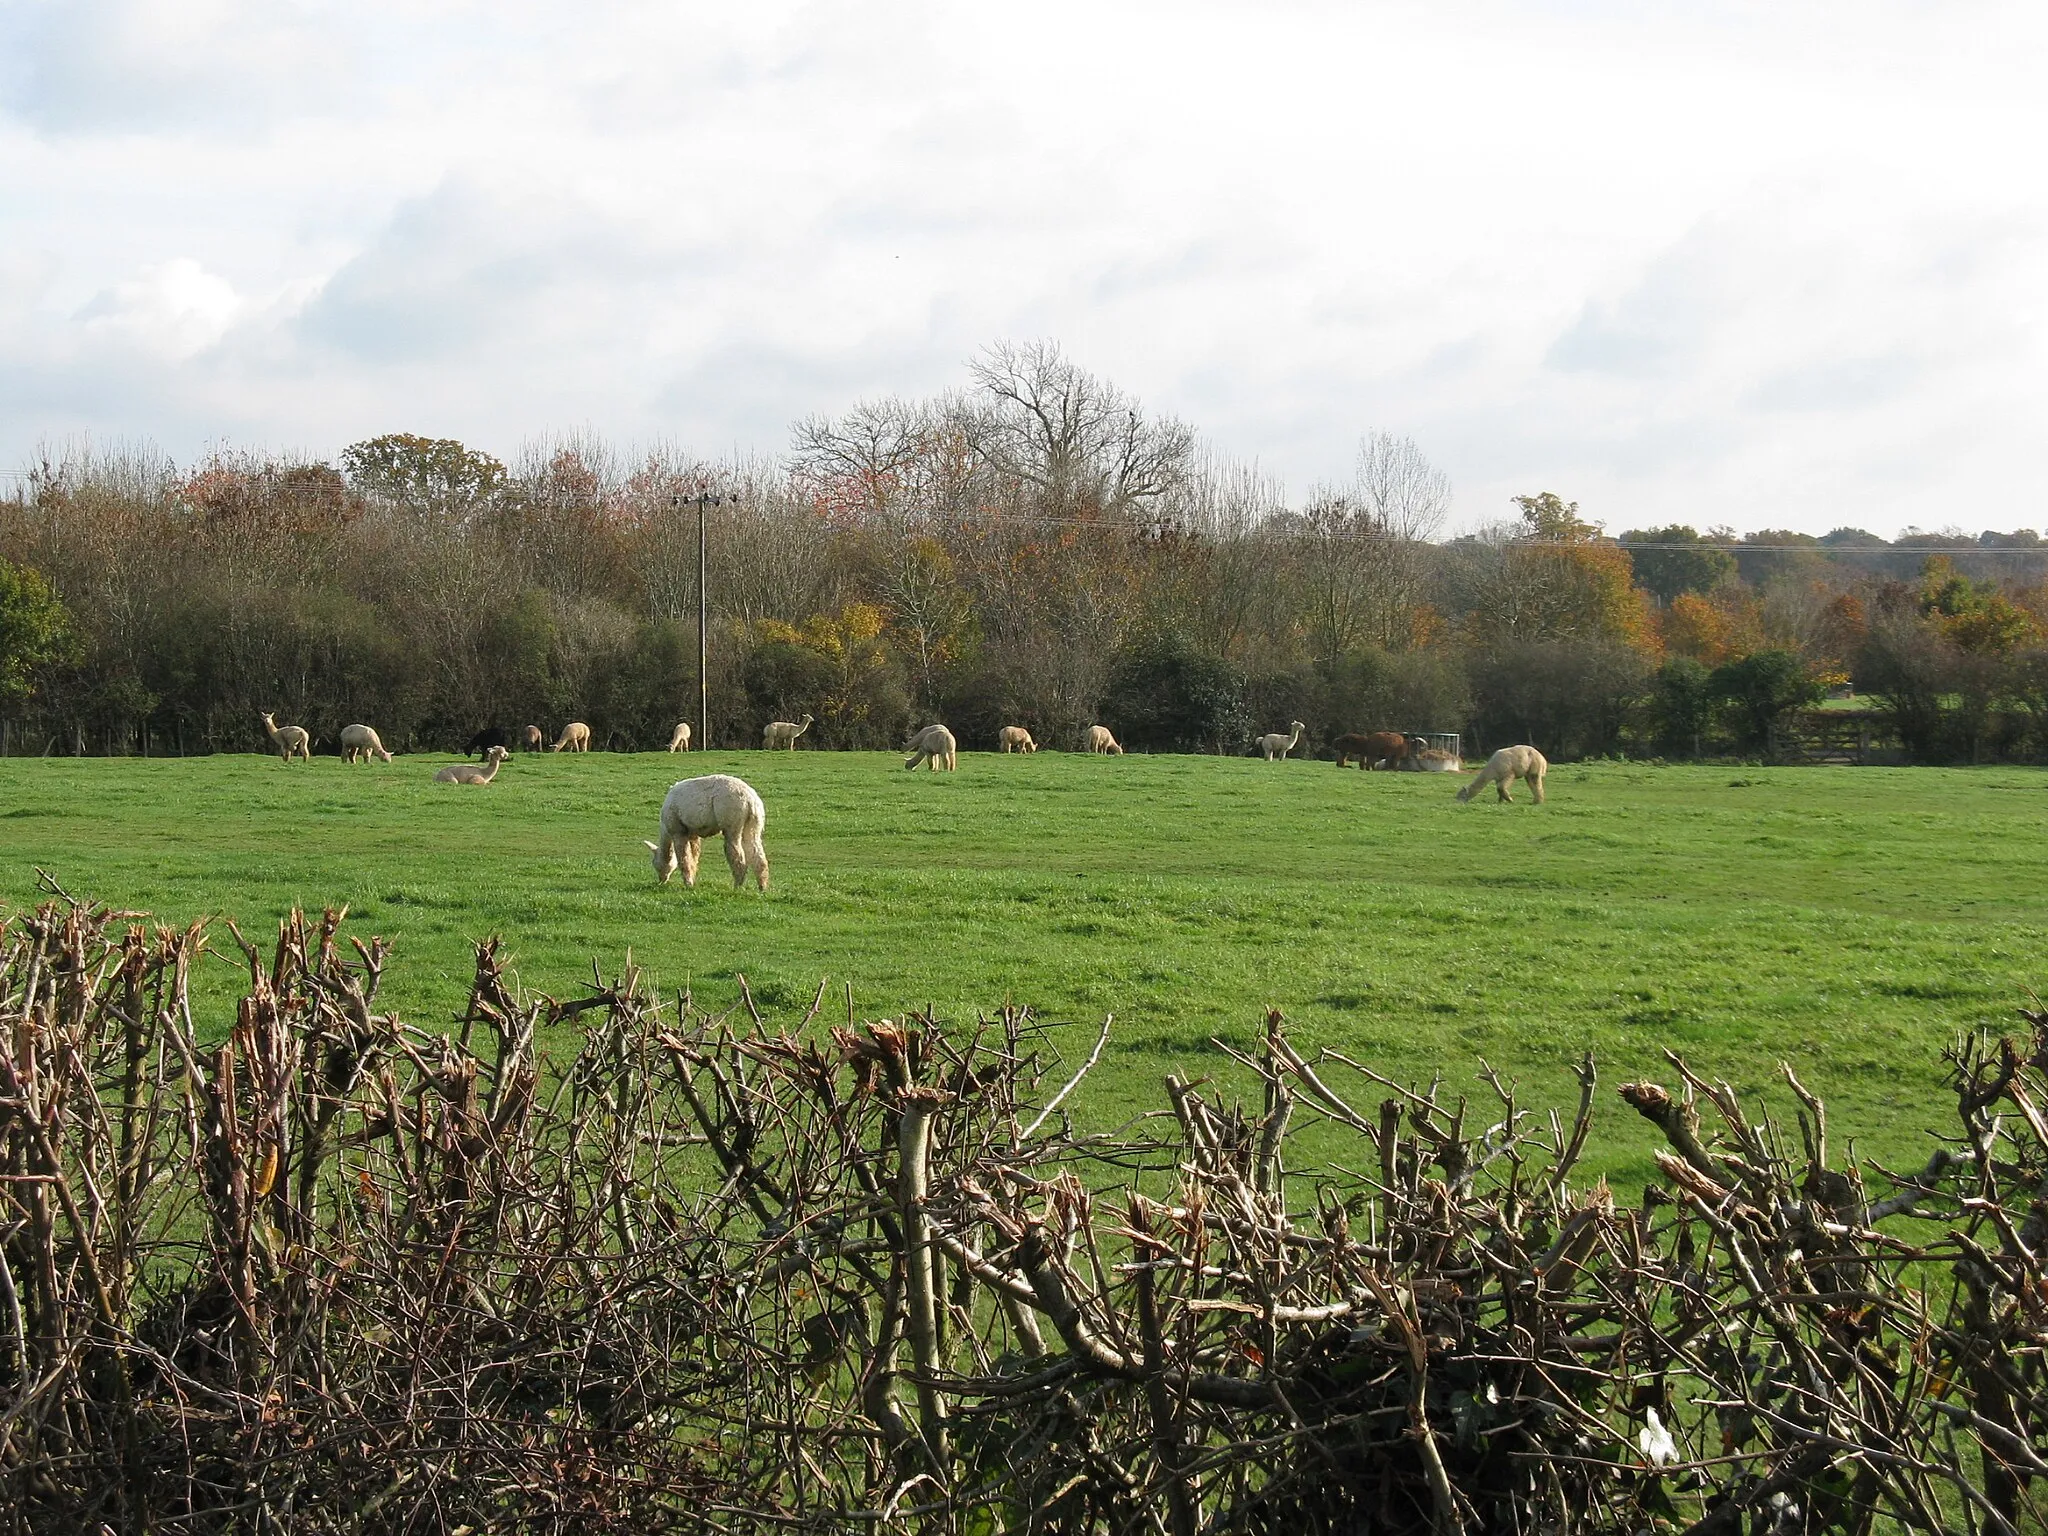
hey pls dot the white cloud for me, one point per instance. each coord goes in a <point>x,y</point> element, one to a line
<point>1769,265</point>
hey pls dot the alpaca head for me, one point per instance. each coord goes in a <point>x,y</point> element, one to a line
<point>269,721</point>
<point>496,755</point>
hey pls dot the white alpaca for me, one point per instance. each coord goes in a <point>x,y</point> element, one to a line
<point>680,742</point>
<point>697,808</point>
<point>469,773</point>
<point>783,733</point>
<point>288,739</point>
<point>1506,766</point>
<point>1014,738</point>
<point>1097,739</point>
<point>1432,761</point>
<point>935,747</point>
<point>1276,747</point>
<point>575,738</point>
<point>359,742</point>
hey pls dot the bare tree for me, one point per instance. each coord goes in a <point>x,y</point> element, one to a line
<point>1082,443</point>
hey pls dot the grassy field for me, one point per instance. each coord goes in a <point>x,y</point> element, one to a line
<point>1849,920</point>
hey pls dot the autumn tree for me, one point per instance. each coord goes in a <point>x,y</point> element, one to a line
<point>427,474</point>
<point>1559,578</point>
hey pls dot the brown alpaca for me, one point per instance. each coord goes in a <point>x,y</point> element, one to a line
<point>1389,747</point>
<point>1014,738</point>
<point>533,739</point>
<point>1506,766</point>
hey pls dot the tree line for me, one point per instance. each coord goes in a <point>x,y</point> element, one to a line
<point>1033,548</point>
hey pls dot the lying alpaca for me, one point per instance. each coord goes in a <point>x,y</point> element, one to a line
<point>1389,747</point>
<point>1014,738</point>
<point>1506,766</point>
<point>1432,761</point>
<point>360,742</point>
<point>469,773</point>
<point>680,742</point>
<point>783,733</point>
<point>575,738</point>
<point>697,808</point>
<point>288,739</point>
<point>1276,747</point>
<point>934,747</point>
<point>1097,739</point>
<point>532,739</point>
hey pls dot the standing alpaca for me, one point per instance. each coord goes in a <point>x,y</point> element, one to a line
<point>532,739</point>
<point>360,742</point>
<point>1014,738</point>
<point>469,773</point>
<point>288,739</point>
<point>575,738</point>
<point>1097,739</point>
<point>490,736</point>
<point>783,733</point>
<point>696,808</point>
<point>1506,766</point>
<point>1276,747</point>
<point>680,742</point>
<point>934,746</point>
<point>1389,747</point>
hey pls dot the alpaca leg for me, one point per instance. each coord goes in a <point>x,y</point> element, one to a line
<point>1501,784</point>
<point>757,856</point>
<point>1536,785</point>
<point>736,857</point>
<point>692,845</point>
<point>952,761</point>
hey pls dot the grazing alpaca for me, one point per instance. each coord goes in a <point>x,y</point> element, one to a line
<point>1276,747</point>
<point>694,810</point>
<point>1432,761</point>
<point>783,733</point>
<point>490,736</point>
<point>1506,766</point>
<point>1389,747</point>
<point>1014,738</point>
<point>469,773</point>
<point>1097,739</point>
<point>934,746</point>
<point>288,739</point>
<point>532,739</point>
<point>575,738</point>
<point>360,742</point>
<point>680,742</point>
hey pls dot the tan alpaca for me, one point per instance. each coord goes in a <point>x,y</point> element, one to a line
<point>680,742</point>
<point>575,738</point>
<point>783,733</point>
<point>934,747</point>
<point>696,809</point>
<point>469,773</point>
<point>1014,738</point>
<point>1432,761</point>
<point>532,739</point>
<point>359,742</point>
<point>288,739</point>
<point>1097,739</point>
<point>1276,747</point>
<point>1506,766</point>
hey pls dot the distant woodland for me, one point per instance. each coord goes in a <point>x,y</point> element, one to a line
<point>1034,548</point>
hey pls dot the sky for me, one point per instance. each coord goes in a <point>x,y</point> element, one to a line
<point>1759,265</point>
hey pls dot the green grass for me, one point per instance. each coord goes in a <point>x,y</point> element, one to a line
<point>1847,920</point>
